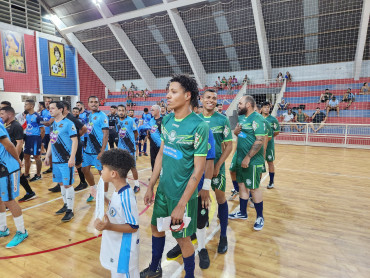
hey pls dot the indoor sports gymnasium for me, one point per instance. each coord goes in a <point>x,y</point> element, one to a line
<point>184,138</point>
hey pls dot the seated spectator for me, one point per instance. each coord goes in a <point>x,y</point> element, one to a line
<point>146,93</point>
<point>318,118</point>
<point>217,85</point>
<point>129,102</point>
<point>364,89</point>
<point>123,89</point>
<point>288,118</point>
<point>102,102</point>
<point>288,77</point>
<point>133,87</point>
<point>333,105</point>
<point>223,82</point>
<point>219,80</point>
<point>280,77</point>
<point>300,117</point>
<point>282,105</point>
<point>234,81</point>
<point>130,93</point>
<point>325,97</point>
<point>349,98</point>
<point>246,80</point>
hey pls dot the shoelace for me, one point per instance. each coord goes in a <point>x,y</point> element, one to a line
<point>259,220</point>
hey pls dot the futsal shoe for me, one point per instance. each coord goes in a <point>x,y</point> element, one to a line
<point>222,245</point>
<point>68,216</point>
<point>4,233</point>
<point>27,176</point>
<point>234,193</point>
<point>48,171</point>
<point>55,188</point>
<point>81,186</point>
<point>148,273</point>
<point>203,259</point>
<point>145,154</point>
<point>35,178</point>
<point>193,238</point>
<point>28,197</point>
<point>238,215</point>
<point>17,239</point>
<point>258,225</point>
<point>174,253</point>
<point>62,210</point>
<point>136,189</point>
<point>270,186</point>
<point>90,199</point>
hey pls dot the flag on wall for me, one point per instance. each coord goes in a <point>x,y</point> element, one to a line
<point>57,65</point>
<point>13,51</point>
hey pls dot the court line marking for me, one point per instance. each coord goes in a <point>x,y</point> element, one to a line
<point>324,173</point>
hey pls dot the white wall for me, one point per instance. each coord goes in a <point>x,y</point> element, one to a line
<point>301,73</point>
<point>16,99</point>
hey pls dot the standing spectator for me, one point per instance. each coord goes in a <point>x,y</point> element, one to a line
<point>364,89</point>
<point>318,118</point>
<point>300,117</point>
<point>246,80</point>
<point>325,97</point>
<point>282,105</point>
<point>288,118</point>
<point>123,89</point>
<point>279,77</point>
<point>288,77</point>
<point>333,105</point>
<point>349,98</point>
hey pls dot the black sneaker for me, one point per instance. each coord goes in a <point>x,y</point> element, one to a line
<point>35,178</point>
<point>27,176</point>
<point>203,259</point>
<point>148,273</point>
<point>68,216</point>
<point>62,210</point>
<point>145,154</point>
<point>28,197</point>
<point>136,189</point>
<point>55,188</point>
<point>81,186</point>
<point>222,246</point>
<point>174,253</point>
<point>48,171</point>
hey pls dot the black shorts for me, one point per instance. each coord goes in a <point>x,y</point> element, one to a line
<point>332,108</point>
<point>202,218</point>
<point>79,153</point>
<point>142,137</point>
<point>46,141</point>
<point>153,153</point>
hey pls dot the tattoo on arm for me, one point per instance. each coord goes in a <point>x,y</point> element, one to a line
<point>256,146</point>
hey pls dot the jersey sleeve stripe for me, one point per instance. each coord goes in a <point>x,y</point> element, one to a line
<point>228,140</point>
<point>260,135</point>
<point>200,154</point>
<point>130,219</point>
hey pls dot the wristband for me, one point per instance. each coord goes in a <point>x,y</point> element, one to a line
<point>206,184</point>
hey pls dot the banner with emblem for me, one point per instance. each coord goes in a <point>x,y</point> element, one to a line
<point>57,65</point>
<point>13,51</point>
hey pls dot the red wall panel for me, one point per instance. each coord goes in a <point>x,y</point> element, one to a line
<point>22,82</point>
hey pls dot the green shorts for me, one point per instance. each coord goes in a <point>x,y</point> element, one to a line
<point>233,164</point>
<point>219,182</point>
<point>264,168</point>
<point>163,207</point>
<point>249,176</point>
<point>270,154</point>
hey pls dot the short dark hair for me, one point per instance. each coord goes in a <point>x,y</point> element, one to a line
<point>8,109</point>
<point>265,103</point>
<point>31,101</point>
<point>81,102</point>
<point>92,97</point>
<point>146,109</point>
<point>66,105</point>
<point>210,90</point>
<point>327,89</point>
<point>317,107</point>
<point>113,106</point>
<point>58,104</point>
<point>42,103</point>
<point>189,84</point>
<point>118,160</point>
<point>7,103</point>
<point>121,105</point>
<point>131,110</point>
<point>333,97</point>
<point>76,108</point>
<point>220,104</point>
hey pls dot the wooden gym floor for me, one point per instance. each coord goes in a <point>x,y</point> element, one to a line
<point>317,224</point>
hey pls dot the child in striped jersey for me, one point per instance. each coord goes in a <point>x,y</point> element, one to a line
<point>120,241</point>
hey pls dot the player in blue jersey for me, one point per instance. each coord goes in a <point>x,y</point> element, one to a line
<point>127,134</point>
<point>131,114</point>
<point>10,165</point>
<point>84,115</point>
<point>35,132</point>
<point>154,133</point>
<point>47,122</point>
<point>143,131</point>
<point>63,139</point>
<point>97,142</point>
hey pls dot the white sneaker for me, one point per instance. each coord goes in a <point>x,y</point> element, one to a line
<point>238,215</point>
<point>270,186</point>
<point>258,225</point>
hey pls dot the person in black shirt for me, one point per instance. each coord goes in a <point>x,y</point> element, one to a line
<point>16,135</point>
<point>318,118</point>
<point>154,133</point>
<point>112,118</point>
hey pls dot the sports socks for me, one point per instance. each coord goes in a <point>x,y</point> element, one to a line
<point>201,237</point>
<point>81,175</point>
<point>139,147</point>
<point>243,206</point>
<point>189,266</point>
<point>70,196</point>
<point>259,209</point>
<point>63,191</point>
<point>223,214</point>
<point>272,175</point>
<point>137,183</point>
<point>24,182</point>
<point>19,224</point>
<point>3,221</point>
<point>236,186</point>
<point>144,149</point>
<point>157,251</point>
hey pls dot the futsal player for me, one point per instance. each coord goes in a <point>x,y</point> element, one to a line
<point>97,142</point>
<point>220,126</point>
<point>35,132</point>
<point>250,160</point>
<point>131,114</point>
<point>154,133</point>
<point>143,131</point>
<point>84,116</point>
<point>127,134</point>
<point>119,250</point>
<point>16,135</point>
<point>180,164</point>
<point>112,119</point>
<point>270,151</point>
<point>46,121</point>
<point>64,143</point>
<point>9,189</point>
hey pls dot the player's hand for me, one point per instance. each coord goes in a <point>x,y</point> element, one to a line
<point>206,200</point>
<point>47,161</point>
<point>216,170</point>
<point>99,155</point>
<point>20,162</point>
<point>245,162</point>
<point>148,198</point>
<point>102,225</point>
<point>71,162</point>
<point>177,215</point>
<point>237,129</point>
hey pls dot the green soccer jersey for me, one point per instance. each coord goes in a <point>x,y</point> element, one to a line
<point>252,126</point>
<point>274,123</point>
<point>183,139</point>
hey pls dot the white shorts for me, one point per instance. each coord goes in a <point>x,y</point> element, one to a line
<point>133,274</point>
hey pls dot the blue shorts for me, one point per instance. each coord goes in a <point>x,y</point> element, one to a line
<point>63,174</point>
<point>32,145</point>
<point>91,160</point>
<point>9,186</point>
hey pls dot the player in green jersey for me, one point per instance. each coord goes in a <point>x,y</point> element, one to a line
<point>250,160</point>
<point>180,164</point>
<point>270,152</point>
<point>220,127</point>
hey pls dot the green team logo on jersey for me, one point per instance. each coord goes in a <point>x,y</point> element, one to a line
<point>269,156</point>
<point>248,182</point>
<point>216,129</point>
<point>216,180</point>
<point>172,136</point>
<point>197,140</point>
<point>226,131</point>
<point>274,125</point>
<point>255,125</point>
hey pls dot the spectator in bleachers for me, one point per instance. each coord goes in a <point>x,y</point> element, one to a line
<point>234,81</point>
<point>129,102</point>
<point>333,105</point>
<point>348,97</point>
<point>318,118</point>
<point>288,117</point>
<point>288,77</point>
<point>246,80</point>
<point>223,82</point>
<point>364,89</point>
<point>217,85</point>
<point>133,87</point>
<point>325,97</point>
<point>102,102</point>
<point>130,93</point>
<point>146,94</point>
<point>280,77</point>
<point>123,89</point>
<point>300,117</point>
<point>283,105</point>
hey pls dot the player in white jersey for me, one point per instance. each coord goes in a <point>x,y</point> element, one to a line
<point>120,242</point>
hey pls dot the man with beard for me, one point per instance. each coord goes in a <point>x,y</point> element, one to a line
<point>112,119</point>
<point>84,116</point>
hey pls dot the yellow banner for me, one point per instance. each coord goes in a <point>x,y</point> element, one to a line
<point>57,63</point>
